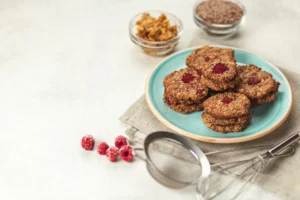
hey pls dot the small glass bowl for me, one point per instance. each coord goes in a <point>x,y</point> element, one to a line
<point>160,48</point>
<point>219,29</point>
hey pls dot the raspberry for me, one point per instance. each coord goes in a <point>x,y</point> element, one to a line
<point>227,100</point>
<point>200,72</point>
<point>126,153</point>
<point>219,68</point>
<point>88,142</point>
<point>169,102</point>
<point>253,80</point>
<point>199,91</point>
<point>206,58</point>
<point>187,78</point>
<point>120,141</point>
<point>112,154</point>
<point>102,147</point>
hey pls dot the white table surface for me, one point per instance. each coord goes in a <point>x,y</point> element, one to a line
<point>68,68</point>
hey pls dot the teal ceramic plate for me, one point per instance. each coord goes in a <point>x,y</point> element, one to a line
<point>266,118</point>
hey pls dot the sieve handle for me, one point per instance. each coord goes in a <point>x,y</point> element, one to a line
<point>284,144</point>
<point>137,149</point>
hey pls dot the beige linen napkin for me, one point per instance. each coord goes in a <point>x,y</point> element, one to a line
<point>282,177</point>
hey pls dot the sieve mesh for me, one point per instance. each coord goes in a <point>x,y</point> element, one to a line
<point>172,164</point>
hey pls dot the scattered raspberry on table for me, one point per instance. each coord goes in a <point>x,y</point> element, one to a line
<point>112,154</point>
<point>126,153</point>
<point>88,142</point>
<point>120,141</point>
<point>102,147</point>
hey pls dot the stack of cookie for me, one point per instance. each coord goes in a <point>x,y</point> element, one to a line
<point>184,92</point>
<point>227,112</point>
<point>212,72</point>
<point>259,86</point>
<point>217,65</point>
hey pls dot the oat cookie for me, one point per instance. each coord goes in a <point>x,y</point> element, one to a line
<point>181,108</point>
<point>218,86</point>
<point>275,87</point>
<point>172,100</point>
<point>227,105</point>
<point>185,85</point>
<point>224,122</point>
<point>226,129</point>
<point>255,83</point>
<point>266,99</point>
<point>207,54</point>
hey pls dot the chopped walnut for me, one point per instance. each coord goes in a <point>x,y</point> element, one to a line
<point>155,29</point>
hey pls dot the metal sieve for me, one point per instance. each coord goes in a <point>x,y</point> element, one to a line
<point>174,161</point>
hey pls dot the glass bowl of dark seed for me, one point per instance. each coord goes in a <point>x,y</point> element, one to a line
<point>219,17</point>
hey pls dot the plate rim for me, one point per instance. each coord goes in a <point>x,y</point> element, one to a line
<point>209,139</point>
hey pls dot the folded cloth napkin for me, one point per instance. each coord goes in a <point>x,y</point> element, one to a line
<point>281,177</point>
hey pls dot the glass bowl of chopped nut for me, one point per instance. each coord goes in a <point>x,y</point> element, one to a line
<point>219,17</point>
<point>155,32</point>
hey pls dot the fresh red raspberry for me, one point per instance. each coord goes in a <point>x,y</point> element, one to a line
<point>112,154</point>
<point>199,91</point>
<point>219,68</point>
<point>227,100</point>
<point>120,141</point>
<point>126,153</point>
<point>187,78</point>
<point>88,142</point>
<point>102,147</point>
<point>199,72</point>
<point>253,80</point>
<point>206,58</point>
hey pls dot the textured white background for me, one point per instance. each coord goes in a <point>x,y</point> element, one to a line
<point>68,68</point>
